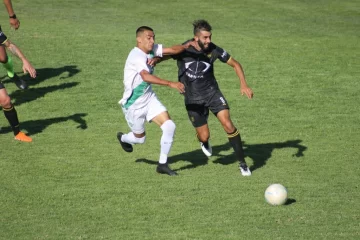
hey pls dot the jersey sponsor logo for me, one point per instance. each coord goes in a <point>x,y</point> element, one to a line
<point>192,76</point>
<point>196,69</point>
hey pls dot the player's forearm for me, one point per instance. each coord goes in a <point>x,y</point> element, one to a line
<point>161,59</point>
<point>9,7</point>
<point>240,73</point>
<point>16,51</point>
<point>174,50</point>
<point>147,77</point>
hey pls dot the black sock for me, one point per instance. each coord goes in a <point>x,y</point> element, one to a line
<point>235,141</point>
<point>11,116</point>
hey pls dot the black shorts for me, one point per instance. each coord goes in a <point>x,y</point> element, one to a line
<point>199,112</point>
<point>3,37</point>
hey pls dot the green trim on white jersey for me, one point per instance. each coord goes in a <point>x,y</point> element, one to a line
<point>136,93</point>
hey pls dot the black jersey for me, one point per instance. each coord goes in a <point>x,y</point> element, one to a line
<point>196,71</point>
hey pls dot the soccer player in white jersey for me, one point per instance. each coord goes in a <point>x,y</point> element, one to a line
<point>139,102</point>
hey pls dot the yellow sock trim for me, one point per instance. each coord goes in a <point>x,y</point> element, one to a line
<point>233,134</point>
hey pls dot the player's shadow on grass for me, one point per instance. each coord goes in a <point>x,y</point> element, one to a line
<point>21,96</point>
<point>259,153</point>
<point>43,74</point>
<point>33,127</point>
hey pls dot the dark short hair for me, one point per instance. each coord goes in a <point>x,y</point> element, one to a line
<point>201,25</point>
<point>143,29</point>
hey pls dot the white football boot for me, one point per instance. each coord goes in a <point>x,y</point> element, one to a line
<point>206,151</point>
<point>244,169</point>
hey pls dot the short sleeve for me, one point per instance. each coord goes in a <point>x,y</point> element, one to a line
<point>222,55</point>
<point>158,50</point>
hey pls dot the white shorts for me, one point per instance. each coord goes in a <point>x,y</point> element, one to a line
<point>136,117</point>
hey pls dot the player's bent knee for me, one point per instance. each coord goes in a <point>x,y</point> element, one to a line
<point>3,58</point>
<point>5,102</point>
<point>168,126</point>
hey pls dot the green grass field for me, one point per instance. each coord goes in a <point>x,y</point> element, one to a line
<point>302,60</point>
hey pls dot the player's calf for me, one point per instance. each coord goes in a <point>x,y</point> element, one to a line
<point>168,129</point>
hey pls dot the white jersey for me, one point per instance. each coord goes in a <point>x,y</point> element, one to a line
<point>137,93</point>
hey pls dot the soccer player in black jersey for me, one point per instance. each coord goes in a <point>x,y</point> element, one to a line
<point>202,93</point>
<point>6,60</point>
<point>5,101</point>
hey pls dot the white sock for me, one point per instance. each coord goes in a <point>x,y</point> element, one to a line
<point>163,158</point>
<point>130,138</point>
<point>168,128</point>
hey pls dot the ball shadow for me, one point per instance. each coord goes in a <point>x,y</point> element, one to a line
<point>290,201</point>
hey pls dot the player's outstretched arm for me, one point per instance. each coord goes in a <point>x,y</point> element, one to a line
<point>180,48</point>
<point>174,50</point>
<point>147,77</point>
<point>27,67</point>
<point>14,22</point>
<point>244,89</point>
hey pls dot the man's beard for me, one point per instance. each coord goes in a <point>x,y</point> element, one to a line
<point>202,45</point>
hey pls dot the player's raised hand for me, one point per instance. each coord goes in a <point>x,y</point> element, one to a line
<point>27,68</point>
<point>194,44</point>
<point>247,91</point>
<point>177,85</point>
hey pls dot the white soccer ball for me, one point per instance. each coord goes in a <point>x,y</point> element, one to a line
<point>276,194</point>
